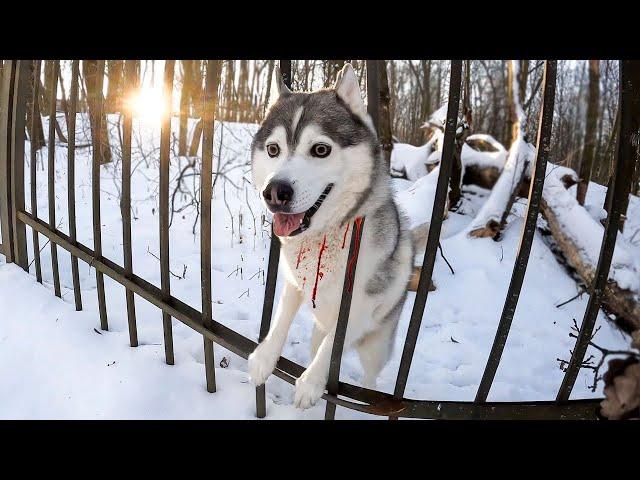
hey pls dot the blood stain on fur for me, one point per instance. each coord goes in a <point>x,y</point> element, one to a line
<point>319,274</point>
<point>301,253</point>
<point>344,238</point>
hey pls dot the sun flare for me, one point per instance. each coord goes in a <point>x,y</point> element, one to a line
<point>148,104</point>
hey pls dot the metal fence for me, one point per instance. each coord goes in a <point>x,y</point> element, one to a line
<point>14,101</point>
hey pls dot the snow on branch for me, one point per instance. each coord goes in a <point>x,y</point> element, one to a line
<point>492,215</point>
<point>579,236</point>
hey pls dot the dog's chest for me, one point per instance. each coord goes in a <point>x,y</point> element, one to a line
<point>317,264</point>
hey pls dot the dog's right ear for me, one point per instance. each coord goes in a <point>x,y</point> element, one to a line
<point>278,88</point>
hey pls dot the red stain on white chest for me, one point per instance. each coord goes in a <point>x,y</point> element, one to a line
<point>319,256</point>
<point>319,274</point>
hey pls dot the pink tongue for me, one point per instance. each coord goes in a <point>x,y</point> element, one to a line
<point>284,224</point>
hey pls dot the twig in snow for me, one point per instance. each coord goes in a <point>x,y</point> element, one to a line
<point>184,270</point>
<point>582,290</point>
<point>445,259</point>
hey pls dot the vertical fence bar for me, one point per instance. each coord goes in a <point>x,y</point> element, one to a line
<point>165,137</point>
<point>96,142</point>
<point>208,118</point>
<point>433,238</point>
<point>71,177</point>
<point>51,173</point>
<point>528,230</point>
<point>18,124</point>
<point>343,316</point>
<point>373,108</point>
<point>272,276</point>
<point>6,111</point>
<point>36,121</point>
<point>621,184</point>
<point>125,203</point>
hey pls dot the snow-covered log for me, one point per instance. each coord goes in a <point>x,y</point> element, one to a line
<point>491,216</point>
<point>410,161</point>
<point>579,236</point>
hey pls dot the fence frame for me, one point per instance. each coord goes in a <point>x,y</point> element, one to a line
<point>14,93</point>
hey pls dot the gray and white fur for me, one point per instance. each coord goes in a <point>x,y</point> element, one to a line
<point>293,172</point>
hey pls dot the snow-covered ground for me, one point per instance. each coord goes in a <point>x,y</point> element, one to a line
<point>56,363</point>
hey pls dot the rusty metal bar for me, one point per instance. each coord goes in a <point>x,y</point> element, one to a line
<point>343,316</point>
<point>51,171</point>
<point>71,176</point>
<point>621,185</point>
<point>36,120</point>
<point>528,230</point>
<point>95,191</point>
<point>125,202</point>
<point>360,399</point>
<point>206,193</point>
<point>272,276</point>
<point>433,238</point>
<point>165,138</point>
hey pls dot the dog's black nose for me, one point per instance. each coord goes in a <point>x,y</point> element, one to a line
<point>278,193</point>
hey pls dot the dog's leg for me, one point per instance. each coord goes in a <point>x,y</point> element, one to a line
<point>374,350</point>
<point>316,337</point>
<point>264,358</point>
<point>310,386</point>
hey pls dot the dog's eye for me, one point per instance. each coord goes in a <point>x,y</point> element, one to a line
<point>320,150</point>
<point>273,150</point>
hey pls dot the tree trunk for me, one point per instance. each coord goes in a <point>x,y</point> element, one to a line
<point>384,124</point>
<point>586,164</point>
<point>37,136</point>
<point>272,64</point>
<point>195,140</point>
<point>115,74</point>
<point>97,117</point>
<point>185,103</point>
<point>635,128</point>
<point>455,181</point>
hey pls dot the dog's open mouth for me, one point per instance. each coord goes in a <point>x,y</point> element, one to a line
<point>291,224</point>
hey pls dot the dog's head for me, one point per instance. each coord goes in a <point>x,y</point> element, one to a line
<point>314,154</point>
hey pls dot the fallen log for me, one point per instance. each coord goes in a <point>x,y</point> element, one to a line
<point>579,236</point>
<point>492,216</point>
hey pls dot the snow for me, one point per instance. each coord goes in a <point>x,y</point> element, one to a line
<point>439,117</point>
<point>56,363</point>
<point>410,159</point>
<point>586,233</point>
<point>417,200</point>
<point>519,153</point>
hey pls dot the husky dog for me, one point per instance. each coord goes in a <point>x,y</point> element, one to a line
<point>317,165</point>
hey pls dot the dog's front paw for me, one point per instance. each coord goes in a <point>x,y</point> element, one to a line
<point>309,389</point>
<point>261,363</point>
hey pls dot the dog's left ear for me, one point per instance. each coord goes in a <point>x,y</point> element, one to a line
<point>348,90</point>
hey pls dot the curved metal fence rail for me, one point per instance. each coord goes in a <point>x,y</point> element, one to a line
<point>16,95</point>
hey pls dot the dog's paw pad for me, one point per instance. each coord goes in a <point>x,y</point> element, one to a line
<point>308,392</point>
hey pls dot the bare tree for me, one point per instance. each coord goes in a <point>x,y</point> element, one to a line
<point>92,69</point>
<point>586,164</point>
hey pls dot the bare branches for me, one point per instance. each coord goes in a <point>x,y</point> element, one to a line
<point>589,362</point>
